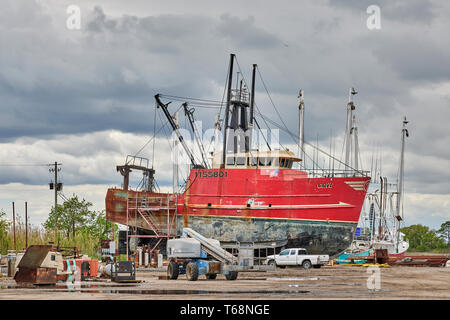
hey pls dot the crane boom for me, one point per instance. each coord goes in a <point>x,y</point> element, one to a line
<point>177,132</point>
<point>190,115</point>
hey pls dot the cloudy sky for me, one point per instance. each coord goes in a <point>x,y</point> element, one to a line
<point>84,97</point>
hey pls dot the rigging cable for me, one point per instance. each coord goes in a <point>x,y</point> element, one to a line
<point>270,98</point>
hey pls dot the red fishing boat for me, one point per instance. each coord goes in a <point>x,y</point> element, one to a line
<point>245,195</point>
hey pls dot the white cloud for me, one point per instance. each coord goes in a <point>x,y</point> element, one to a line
<point>427,209</point>
<point>40,199</point>
<point>87,158</point>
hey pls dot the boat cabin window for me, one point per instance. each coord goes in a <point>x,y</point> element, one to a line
<point>289,164</point>
<point>254,161</point>
<point>265,161</point>
<point>262,161</point>
<point>240,161</point>
<point>230,161</point>
<point>284,253</point>
<point>286,163</point>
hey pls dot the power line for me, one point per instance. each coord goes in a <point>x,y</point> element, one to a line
<point>25,165</point>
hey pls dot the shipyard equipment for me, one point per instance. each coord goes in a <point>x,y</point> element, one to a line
<point>44,264</point>
<point>39,265</point>
<point>123,271</point>
<point>194,255</point>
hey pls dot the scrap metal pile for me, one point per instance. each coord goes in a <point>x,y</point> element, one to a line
<point>42,264</point>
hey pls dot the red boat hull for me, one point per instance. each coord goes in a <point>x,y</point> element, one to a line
<point>265,205</point>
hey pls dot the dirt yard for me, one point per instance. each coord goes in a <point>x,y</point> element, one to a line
<point>337,282</point>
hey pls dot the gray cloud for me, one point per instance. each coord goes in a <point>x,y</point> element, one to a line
<point>58,83</point>
<point>405,11</point>
<point>414,57</point>
<point>243,33</point>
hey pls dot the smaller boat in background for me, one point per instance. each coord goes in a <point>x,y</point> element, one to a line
<point>384,218</point>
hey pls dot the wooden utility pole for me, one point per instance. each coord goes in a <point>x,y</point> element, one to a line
<point>56,202</point>
<point>55,170</point>
<point>14,228</point>
<point>26,226</point>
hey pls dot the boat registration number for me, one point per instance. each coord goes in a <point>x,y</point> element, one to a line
<point>211,174</point>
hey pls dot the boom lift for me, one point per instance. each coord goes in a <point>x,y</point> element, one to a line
<point>191,255</point>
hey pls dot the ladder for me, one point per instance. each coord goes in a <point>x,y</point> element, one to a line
<point>149,219</point>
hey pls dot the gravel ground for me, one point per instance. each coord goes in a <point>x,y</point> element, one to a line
<point>337,282</point>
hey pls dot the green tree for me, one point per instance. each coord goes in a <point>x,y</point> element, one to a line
<point>421,238</point>
<point>444,232</point>
<point>71,216</point>
<point>99,228</point>
<point>82,227</point>
<point>5,241</point>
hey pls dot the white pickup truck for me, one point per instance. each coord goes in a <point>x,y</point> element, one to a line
<point>297,257</point>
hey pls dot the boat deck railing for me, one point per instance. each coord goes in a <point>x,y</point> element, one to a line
<point>330,173</point>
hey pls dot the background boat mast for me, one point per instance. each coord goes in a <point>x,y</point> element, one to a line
<point>399,216</point>
<point>350,108</point>
<point>354,134</point>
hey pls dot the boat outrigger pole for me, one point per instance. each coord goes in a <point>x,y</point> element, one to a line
<point>175,128</point>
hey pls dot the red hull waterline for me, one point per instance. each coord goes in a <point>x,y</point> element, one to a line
<point>284,207</point>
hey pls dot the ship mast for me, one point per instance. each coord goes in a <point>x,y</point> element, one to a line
<point>301,127</point>
<point>227,110</point>
<point>354,134</point>
<point>350,108</point>
<point>252,105</point>
<point>237,130</point>
<point>399,216</point>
